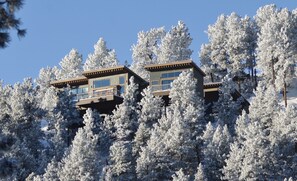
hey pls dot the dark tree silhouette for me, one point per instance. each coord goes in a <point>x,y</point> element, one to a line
<point>8,21</point>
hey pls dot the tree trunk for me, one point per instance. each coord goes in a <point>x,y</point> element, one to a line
<point>273,73</point>
<point>255,73</point>
<point>211,77</point>
<point>285,94</point>
<point>255,86</point>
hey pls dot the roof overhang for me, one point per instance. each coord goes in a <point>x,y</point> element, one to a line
<point>72,82</point>
<point>174,65</point>
<point>212,85</point>
<point>110,71</point>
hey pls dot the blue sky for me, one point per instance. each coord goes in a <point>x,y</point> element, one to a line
<point>55,27</point>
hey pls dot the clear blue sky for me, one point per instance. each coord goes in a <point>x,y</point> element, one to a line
<point>54,27</point>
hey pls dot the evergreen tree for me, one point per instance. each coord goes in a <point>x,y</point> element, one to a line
<point>101,58</point>
<point>215,151</point>
<point>180,176</point>
<point>71,65</point>
<point>200,175</point>
<point>8,20</point>
<point>146,50</point>
<point>174,142</point>
<point>283,142</point>
<point>82,162</point>
<point>20,133</point>
<point>226,109</point>
<point>122,166</point>
<point>252,156</point>
<point>175,44</point>
<point>151,110</point>
<point>277,45</point>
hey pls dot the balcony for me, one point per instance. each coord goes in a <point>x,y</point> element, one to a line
<point>161,89</point>
<point>97,95</point>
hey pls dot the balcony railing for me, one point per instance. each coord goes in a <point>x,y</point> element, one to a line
<point>99,93</point>
<point>161,87</point>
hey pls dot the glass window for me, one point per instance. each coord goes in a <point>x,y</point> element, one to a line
<point>166,84</point>
<point>82,90</point>
<point>101,83</point>
<point>121,80</point>
<point>170,74</point>
<point>155,82</point>
<point>73,91</point>
<point>122,90</point>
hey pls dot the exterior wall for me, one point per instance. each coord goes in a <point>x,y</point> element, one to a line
<point>114,80</point>
<point>200,82</point>
<point>156,76</point>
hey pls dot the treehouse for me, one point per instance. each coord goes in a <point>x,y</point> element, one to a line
<point>100,89</point>
<point>162,75</point>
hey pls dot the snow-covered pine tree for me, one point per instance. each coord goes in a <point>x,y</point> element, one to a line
<point>174,142</point>
<point>101,58</point>
<point>62,119</point>
<point>200,175</point>
<point>71,65</point>
<point>124,118</point>
<point>283,142</point>
<point>46,75</point>
<point>277,46</point>
<point>217,34</point>
<point>180,176</point>
<point>252,156</point>
<point>51,171</point>
<point>226,109</point>
<point>150,163</point>
<point>215,150</point>
<point>210,69</point>
<point>20,131</point>
<point>146,50</point>
<point>175,44</point>
<point>82,162</point>
<point>149,113</point>
<point>231,49</point>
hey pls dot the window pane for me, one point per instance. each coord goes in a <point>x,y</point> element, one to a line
<point>155,82</point>
<point>122,80</point>
<point>165,82</point>
<point>165,75</point>
<point>84,89</point>
<point>176,74</point>
<point>170,74</point>
<point>73,91</point>
<point>101,83</point>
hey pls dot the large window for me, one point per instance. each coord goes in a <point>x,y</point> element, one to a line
<point>170,74</point>
<point>101,83</point>
<point>122,80</point>
<point>79,90</point>
<point>166,84</point>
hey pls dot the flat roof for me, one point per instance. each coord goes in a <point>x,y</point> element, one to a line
<point>71,81</point>
<point>94,74</point>
<point>110,71</point>
<point>174,65</point>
